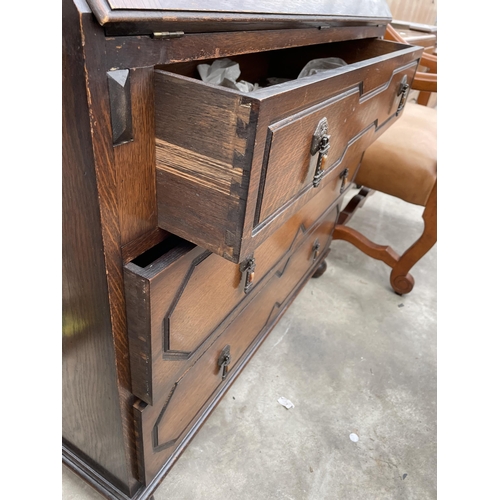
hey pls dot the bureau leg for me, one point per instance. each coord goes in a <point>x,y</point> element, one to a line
<point>321,269</point>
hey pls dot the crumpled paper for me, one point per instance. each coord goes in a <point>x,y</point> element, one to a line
<point>319,65</point>
<point>225,72</point>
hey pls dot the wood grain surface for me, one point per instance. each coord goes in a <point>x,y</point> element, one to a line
<point>187,295</point>
<point>94,413</point>
<point>136,190</point>
<point>140,17</point>
<point>230,164</point>
<point>184,303</point>
<point>163,426</point>
<point>145,51</point>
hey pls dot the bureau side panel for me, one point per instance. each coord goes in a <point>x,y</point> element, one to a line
<point>91,421</point>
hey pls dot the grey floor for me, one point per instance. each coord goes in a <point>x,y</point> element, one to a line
<point>353,357</point>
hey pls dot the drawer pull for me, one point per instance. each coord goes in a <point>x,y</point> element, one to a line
<point>343,175</point>
<point>224,360</point>
<point>403,91</point>
<point>248,269</point>
<point>315,249</point>
<point>320,146</point>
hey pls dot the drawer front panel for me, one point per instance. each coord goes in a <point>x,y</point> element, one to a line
<point>291,234</point>
<point>290,166</point>
<point>176,304</point>
<point>335,182</point>
<point>229,163</point>
<point>163,426</point>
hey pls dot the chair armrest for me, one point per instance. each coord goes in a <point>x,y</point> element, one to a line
<point>426,82</point>
<point>393,35</point>
<point>429,61</point>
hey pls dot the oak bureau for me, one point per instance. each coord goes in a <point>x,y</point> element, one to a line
<point>194,213</point>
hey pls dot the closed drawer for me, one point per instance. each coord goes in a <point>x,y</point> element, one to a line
<point>232,166</point>
<point>179,295</point>
<point>167,425</point>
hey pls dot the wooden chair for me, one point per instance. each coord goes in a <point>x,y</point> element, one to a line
<point>402,162</point>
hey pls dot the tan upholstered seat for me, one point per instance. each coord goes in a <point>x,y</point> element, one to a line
<point>402,162</point>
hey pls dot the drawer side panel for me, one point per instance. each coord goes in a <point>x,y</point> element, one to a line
<point>204,145</point>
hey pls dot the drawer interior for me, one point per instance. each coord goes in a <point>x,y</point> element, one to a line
<point>162,254</point>
<point>287,63</point>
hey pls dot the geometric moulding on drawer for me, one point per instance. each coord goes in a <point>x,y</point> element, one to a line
<point>168,352</point>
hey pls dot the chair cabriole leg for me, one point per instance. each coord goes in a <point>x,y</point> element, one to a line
<point>400,281</point>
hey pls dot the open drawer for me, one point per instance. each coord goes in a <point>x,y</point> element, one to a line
<point>233,166</point>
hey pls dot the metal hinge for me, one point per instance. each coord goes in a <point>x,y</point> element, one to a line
<point>161,35</point>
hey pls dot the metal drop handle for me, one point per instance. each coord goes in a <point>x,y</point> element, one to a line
<point>403,91</point>
<point>224,360</point>
<point>320,146</point>
<point>247,269</point>
<point>315,249</point>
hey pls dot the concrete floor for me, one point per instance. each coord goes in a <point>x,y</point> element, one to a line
<point>353,357</point>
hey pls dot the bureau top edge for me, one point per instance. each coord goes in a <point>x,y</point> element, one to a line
<point>144,17</point>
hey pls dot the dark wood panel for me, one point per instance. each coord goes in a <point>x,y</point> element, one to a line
<point>218,232</point>
<point>163,426</point>
<point>109,218</point>
<point>87,471</point>
<point>143,51</point>
<point>290,165</point>
<point>292,233</point>
<point>288,102</point>
<point>135,163</point>
<point>176,302</point>
<point>207,136</point>
<point>203,149</point>
<point>186,106</point>
<point>135,18</point>
<point>330,187</point>
<point>143,243</point>
<point>91,413</point>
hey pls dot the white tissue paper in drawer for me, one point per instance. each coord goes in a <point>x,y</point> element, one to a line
<point>224,72</point>
<point>320,65</point>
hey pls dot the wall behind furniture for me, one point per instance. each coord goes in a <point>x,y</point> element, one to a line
<point>416,11</point>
